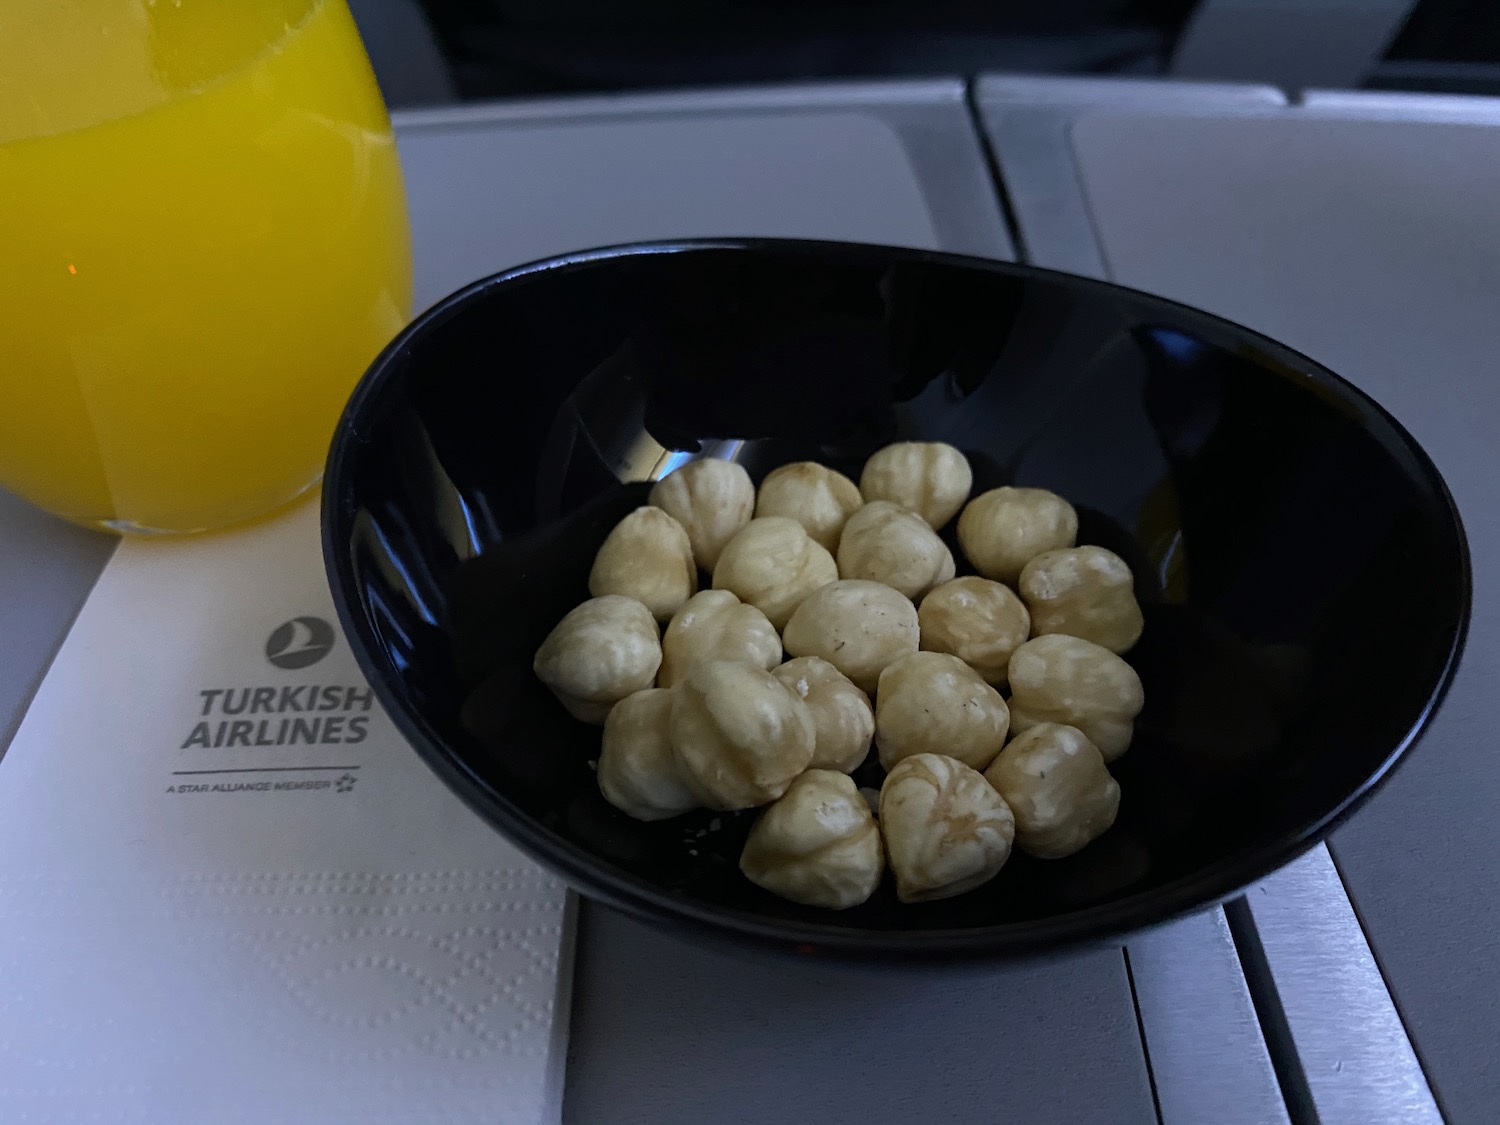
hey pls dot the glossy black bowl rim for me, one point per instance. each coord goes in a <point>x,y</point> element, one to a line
<point>640,897</point>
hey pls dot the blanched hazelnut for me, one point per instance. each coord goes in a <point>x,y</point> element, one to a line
<point>716,625</point>
<point>1055,782</point>
<point>602,651</point>
<point>773,564</point>
<point>1061,679</point>
<point>858,627</point>
<point>712,499</point>
<point>814,495</point>
<point>885,543</point>
<point>817,845</point>
<point>930,478</point>
<point>933,703</point>
<point>1084,592</point>
<point>637,773</point>
<point>946,829</point>
<point>841,712</point>
<point>646,557</point>
<point>1004,529</point>
<point>738,735</point>
<point>979,621</point>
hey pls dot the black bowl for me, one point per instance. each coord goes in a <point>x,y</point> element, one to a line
<point>1301,564</point>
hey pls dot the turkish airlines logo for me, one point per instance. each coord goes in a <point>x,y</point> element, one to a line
<point>300,642</point>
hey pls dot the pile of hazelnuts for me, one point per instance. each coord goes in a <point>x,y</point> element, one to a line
<point>887,648</point>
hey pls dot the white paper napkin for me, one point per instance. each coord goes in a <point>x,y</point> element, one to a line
<point>230,893</point>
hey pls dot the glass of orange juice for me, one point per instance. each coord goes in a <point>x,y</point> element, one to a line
<point>203,242</point>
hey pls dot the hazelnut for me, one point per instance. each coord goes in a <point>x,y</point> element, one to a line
<point>712,499</point>
<point>602,651</point>
<point>1061,679</point>
<point>646,557</point>
<point>637,773</point>
<point>842,716</point>
<point>1002,530</point>
<point>716,625</point>
<point>933,703</point>
<point>817,845</point>
<point>817,497</point>
<point>858,627</point>
<point>979,621</point>
<point>1084,592</point>
<point>773,564</point>
<point>885,543</point>
<point>1057,786</point>
<point>929,478</point>
<point>738,735</point>
<point>946,829</point>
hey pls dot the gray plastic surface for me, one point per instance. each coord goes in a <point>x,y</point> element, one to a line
<point>1326,981</point>
<point>495,186</point>
<point>1027,122</point>
<point>1291,43</point>
<point>671,1033</point>
<point>538,191</point>
<point>47,568</point>
<point>1208,1058</point>
<point>1371,245</point>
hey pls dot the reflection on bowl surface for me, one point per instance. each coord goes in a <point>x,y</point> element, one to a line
<point>1301,566</point>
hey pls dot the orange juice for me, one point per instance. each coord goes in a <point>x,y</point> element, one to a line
<point>203,243</point>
